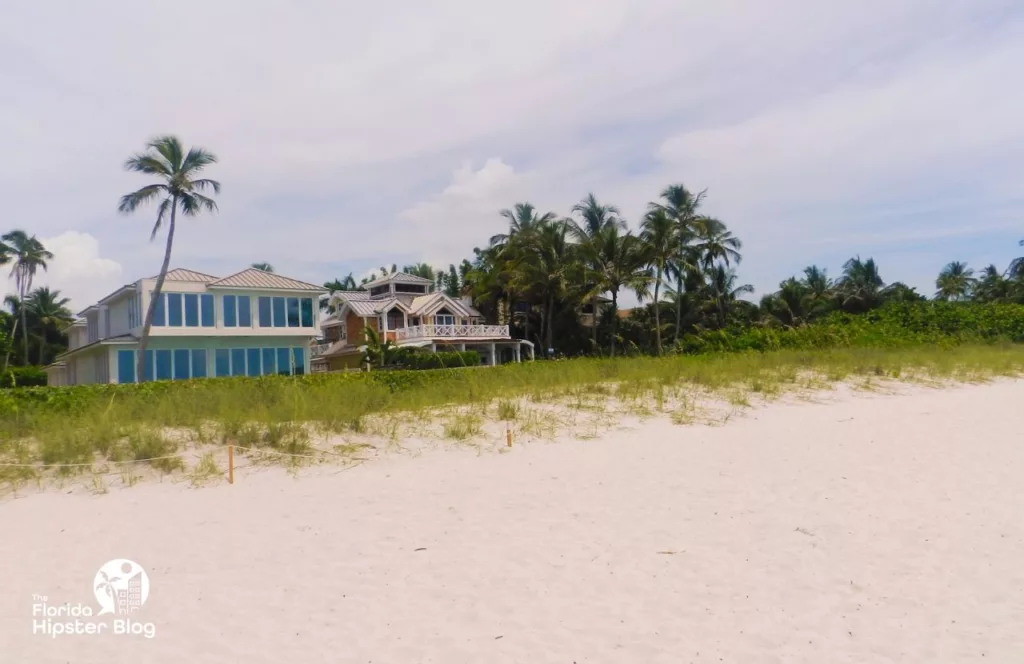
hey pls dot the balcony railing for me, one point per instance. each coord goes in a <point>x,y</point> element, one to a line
<point>451,332</point>
<point>319,349</point>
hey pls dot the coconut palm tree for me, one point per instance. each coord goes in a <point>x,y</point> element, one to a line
<point>177,188</point>
<point>723,291</point>
<point>622,262</point>
<point>713,242</point>
<point>594,219</point>
<point>994,286</point>
<point>522,218</point>
<point>49,311</point>
<point>682,206</point>
<point>266,267</point>
<point>28,256</point>
<point>658,233</point>
<point>860,287</point>
<point>955,282</point>
<point>547,268</point>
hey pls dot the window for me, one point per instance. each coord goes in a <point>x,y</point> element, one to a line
<point>163,364</point>
<point>283,361</point>
<point>148,369</point>
<point>237,361</point>
<point>126,366</point>
<point>191,310</point>
<point>299,355</point>
<point>279,313</point>
<point>269,361</point>
<point>158,313</point>
<point>199,358</point>
<point>206,309</point>
<point>293,312</point>
<point>174,309</point>
<point>307,312</point>
<point>230,311</point>
<point>379,290</point>
<point>244,313</point>
<point>253,357</point>
<point>182,360</point>
<point>222,359</point>
<point>410,288</point>
<point>266,320</point>
<point>444,319</point>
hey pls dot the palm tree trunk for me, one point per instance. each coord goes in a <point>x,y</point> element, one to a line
<point>549,333</point>
<point>615,318</point>
<point>593,328</point>
<point>24,326</point>
<point>657,314</point>
<point>140,362</point>
<point>42,343</point>
<point>10,346</point>
<point>679,306</point>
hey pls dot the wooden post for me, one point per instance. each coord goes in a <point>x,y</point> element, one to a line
<point>508,435</point>
<point>231,463</point>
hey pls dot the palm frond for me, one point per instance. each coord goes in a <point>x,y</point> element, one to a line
<point>129,202</point>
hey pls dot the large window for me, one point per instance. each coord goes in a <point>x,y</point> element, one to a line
<point>237,361</point>
<point>283,361</point>
<point>253,358</point>
<point>182,364</point>
<point>269,361</point>
<point>159,316</point>
<point>174,309</point>
<point>237,311</point>
<point>223,361</point>
<point>163,364</point>
<point>191,310</point>
<point>286,311</point>
<point>299,361</point>
<point>206,306</point>
<point>199,363</point>
<point>126,366</point>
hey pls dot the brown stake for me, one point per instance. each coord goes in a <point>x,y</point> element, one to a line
<point>508,435</point>
<point>231,463</point>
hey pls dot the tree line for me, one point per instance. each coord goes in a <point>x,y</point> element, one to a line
<point>36,315</point>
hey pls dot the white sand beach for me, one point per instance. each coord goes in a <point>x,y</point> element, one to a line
<point>871,528</point>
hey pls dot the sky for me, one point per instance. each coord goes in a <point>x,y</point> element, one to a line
<point>352,135</point>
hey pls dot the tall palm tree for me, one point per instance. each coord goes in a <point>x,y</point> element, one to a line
<point>860,287</point>
<point>28,255</point>
<point>622,264</point>
<point>955,282</point>
<point>713,242</point>
<point>994,286</point>
<point>522,218</point>
<point>658,233</point>
<point>682,206</point>
<point>595,218</point>
<point>49,310</point>
<point>177,188</point>
<point>547,267</point>
<point>723,290</point>
<point>266,267</point>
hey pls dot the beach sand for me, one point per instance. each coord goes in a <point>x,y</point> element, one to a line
<point>872,528</point>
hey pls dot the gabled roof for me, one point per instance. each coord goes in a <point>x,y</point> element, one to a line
<point>359,302</point>
<point>253,278</point>
<point>397,277</point>
<point>184,274</point>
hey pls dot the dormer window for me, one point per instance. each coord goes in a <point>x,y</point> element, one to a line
<point>377,291</point>
<point>418,289</point>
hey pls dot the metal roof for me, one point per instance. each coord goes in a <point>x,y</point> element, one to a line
<point>254,278</point>
<point>184,274</point>
<point>359,302</point>
<point>397,277</point>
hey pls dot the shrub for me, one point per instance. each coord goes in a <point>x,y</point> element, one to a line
<point>23,377</point>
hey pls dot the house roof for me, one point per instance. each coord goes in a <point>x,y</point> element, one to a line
<point>184,274</point>
<point>424,305</point>
<point>254,278</point>
<point>397,277</point>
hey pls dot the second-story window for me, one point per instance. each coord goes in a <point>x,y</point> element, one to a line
<point>285,311</point>
<point>237,311</point>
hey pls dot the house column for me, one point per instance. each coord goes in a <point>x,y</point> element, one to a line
<point>516,349</point>
<point>462,347</point>
<point>494,356</point>
<point>433,347</point>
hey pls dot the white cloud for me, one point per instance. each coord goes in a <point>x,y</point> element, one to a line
<point>77,269</point>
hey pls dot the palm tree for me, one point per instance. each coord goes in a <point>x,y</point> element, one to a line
<point>994,287</point>
<point>681,205</point>
<point>49,310</point>
<point>658,233</point>
<point>421,270</point>
<point>860,286</point>
<point>723,290</point>
<point>713,242</point>
<point>596,218</point>
<point>622,264</point>
<point>178,187</point>
<point>266,267</point>
<point>955,282</point>
<point>29,255</point>
<point>547,267</point>
<point>522,218</point>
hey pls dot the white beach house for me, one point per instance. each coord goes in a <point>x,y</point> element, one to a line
<point>248,324</point>
<point>403,309</point>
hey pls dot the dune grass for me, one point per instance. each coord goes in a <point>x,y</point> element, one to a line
<point>145,423</point>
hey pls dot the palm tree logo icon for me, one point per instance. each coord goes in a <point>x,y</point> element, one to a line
<point>121,586</point>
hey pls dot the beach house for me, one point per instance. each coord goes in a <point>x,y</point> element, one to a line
<point>406,310</point>
<point>248,324</point>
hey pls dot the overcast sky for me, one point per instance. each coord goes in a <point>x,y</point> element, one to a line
<point>355,134</point>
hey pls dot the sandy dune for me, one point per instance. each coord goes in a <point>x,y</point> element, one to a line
<point>872,529</point>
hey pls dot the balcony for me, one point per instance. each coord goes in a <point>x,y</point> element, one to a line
<point>319,349</point>
<point>451,332</point>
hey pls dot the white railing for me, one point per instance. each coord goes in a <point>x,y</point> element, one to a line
<point>319,349</point>
<point>451,332</point>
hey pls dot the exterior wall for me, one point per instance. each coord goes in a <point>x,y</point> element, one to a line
<point>354,328</point>
<point>350,361</point>
<point>89,367</point>
<point>211,344</point>
<point>118,312</point>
